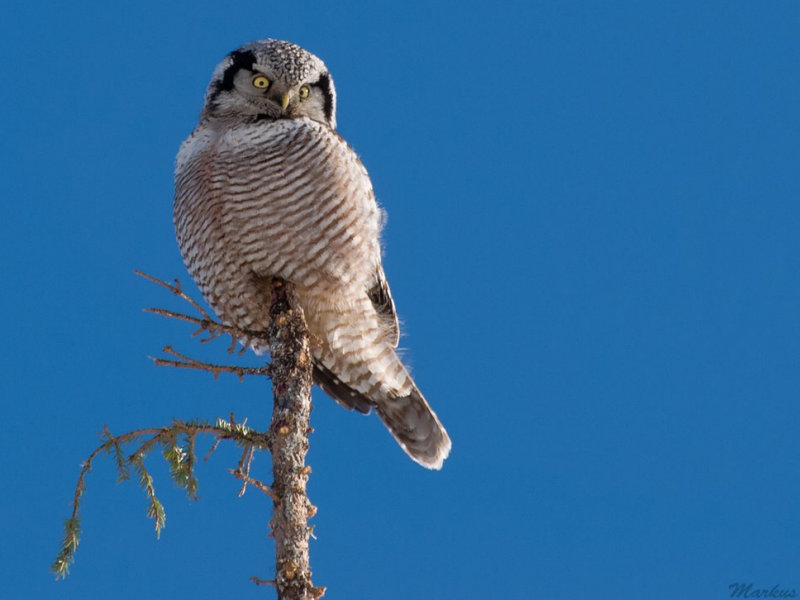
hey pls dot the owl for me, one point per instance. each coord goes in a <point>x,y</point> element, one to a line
<point>265,187</point>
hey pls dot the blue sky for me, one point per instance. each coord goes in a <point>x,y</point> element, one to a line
<point>593,245</point>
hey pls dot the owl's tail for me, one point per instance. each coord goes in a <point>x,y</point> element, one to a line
<point>355,362</point>
<point>416,428</point>
<point>409,418</point>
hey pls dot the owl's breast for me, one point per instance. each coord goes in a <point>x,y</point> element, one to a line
<point>286,198</point>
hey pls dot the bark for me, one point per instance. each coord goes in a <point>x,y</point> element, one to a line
<point>290,372</point>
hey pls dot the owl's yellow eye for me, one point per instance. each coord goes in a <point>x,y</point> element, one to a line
<point>304,92</point>
<point>261,82</point>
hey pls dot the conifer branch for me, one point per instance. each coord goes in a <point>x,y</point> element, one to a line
<point>181,464</point>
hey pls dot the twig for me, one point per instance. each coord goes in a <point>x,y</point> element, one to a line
<point>213,328</point>
<point>243,468</point>
<point>255,483</point>
<point>177,290</point>
<point>186,362</point>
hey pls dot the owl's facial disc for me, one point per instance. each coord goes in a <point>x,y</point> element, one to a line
<point>260,90</point>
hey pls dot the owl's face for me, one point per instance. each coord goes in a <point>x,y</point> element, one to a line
<point>272,79</point>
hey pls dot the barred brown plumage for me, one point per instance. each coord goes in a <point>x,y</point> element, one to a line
<point>264,187</point>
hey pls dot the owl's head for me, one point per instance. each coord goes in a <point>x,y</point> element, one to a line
<point>272,79</point>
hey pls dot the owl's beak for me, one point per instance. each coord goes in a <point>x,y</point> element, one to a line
<point>285,100</point>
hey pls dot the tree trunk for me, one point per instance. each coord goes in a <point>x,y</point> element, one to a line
<point>291,374</point>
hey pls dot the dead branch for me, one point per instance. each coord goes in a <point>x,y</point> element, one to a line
<point>214,329</point>
<point>186,362</point>
<point>177,290</point>
<point>204,323</point>
<point>255,483</point>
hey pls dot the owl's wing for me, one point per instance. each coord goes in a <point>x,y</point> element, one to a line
<point>381,297</point>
